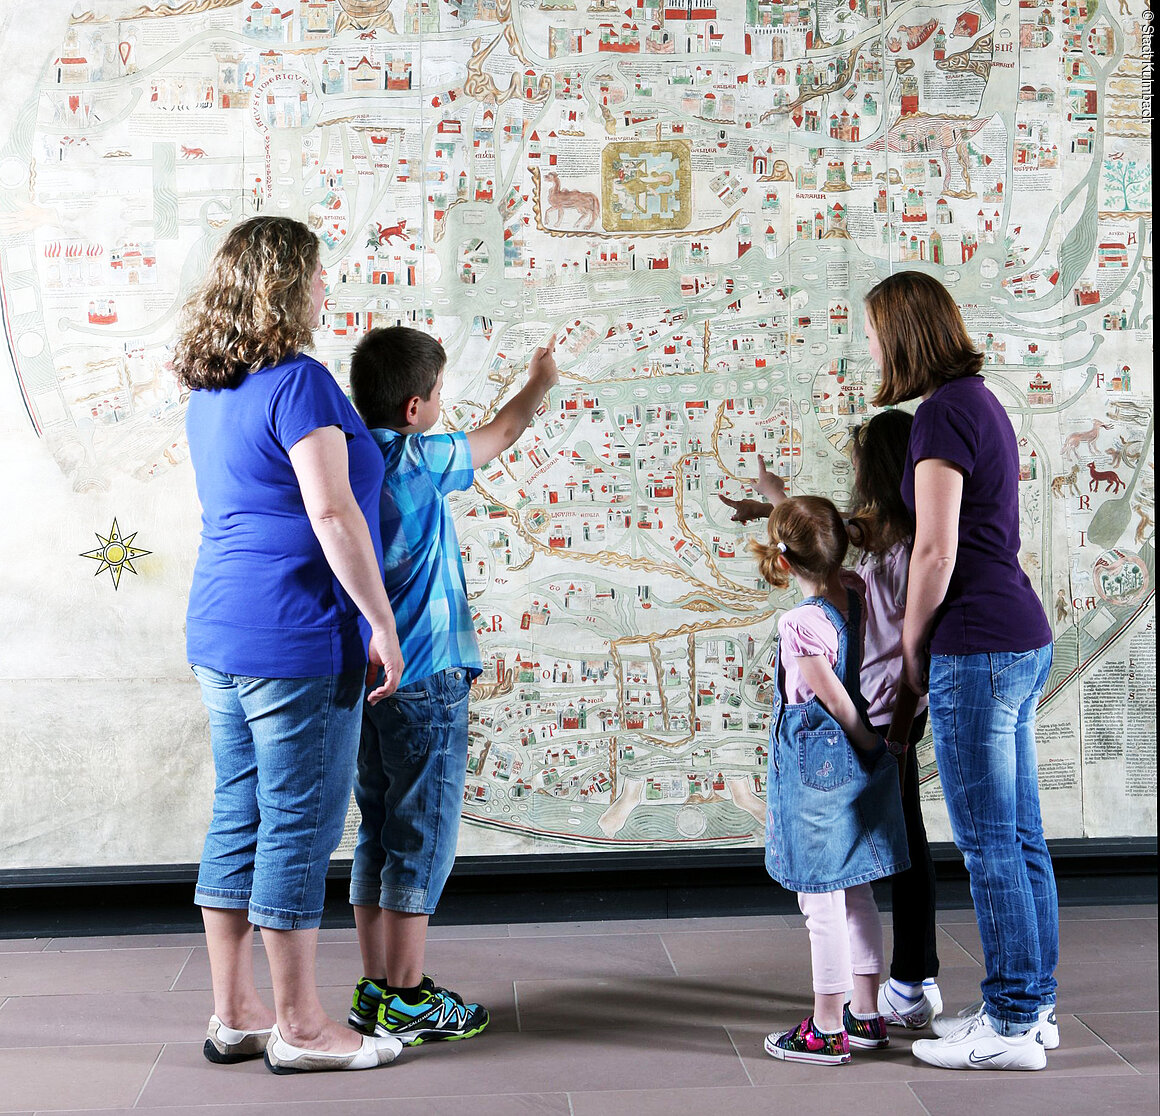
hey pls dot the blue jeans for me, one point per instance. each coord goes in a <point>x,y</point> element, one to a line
<point>982,709</point>
<point>412,764</point>
<point>284,755</point>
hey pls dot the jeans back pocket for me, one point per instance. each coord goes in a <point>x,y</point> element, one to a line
<point>1013,676</point>
<point>824,759</point>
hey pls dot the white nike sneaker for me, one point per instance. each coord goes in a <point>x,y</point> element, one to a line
<point>976,1045</point>
<point>1048,1027</point>
<point>944,1025</point>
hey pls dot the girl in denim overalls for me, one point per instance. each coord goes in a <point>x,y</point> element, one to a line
<point>834,821</point>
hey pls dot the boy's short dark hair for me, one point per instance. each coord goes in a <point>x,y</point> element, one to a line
<point>391,366</point>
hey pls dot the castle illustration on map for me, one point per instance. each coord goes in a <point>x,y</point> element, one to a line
<point>693,198</point>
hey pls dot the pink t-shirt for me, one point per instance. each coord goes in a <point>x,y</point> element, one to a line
<point>885,577</point>
<point>806,630</point>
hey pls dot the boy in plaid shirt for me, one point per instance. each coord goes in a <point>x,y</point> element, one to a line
<point>412,758</point>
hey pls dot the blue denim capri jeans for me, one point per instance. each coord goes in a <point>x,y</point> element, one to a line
<point>982,709</point>
<point>412,765</point>
<point>284,754</point>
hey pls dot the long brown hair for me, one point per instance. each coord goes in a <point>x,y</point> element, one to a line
<point>879,518</point>
<point>255,306</point>
<point>809,532</point>
<point>924,341</point>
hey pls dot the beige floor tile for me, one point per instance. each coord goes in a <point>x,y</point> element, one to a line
<point>1107,986</point>
<point>470,933</point>
<point>67,1077</point>
<point>760,956</point>
<point>98,1019</point>
<point>827,1093</point>
<point>1082,940</point>
<point>453,962</point>
<point>139,941</point>
<point>434,933</point>
<point>1122,910</point>
<point>649,925</point>
<point>500,1104</point>
<point>23,945</point>
<point>770,954</point>
<point>651,1003</point>
<point>1032,1094</point>
<point>110,970</point>
<point>1132,1034</point>
<point>1129,940</point>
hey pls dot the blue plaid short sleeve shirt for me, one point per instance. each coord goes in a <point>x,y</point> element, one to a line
<point>422,566</point>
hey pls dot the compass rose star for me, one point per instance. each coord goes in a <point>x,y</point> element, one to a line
<point>115,553</point>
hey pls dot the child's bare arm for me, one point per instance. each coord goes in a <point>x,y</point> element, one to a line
<point>514,417</point>
<point>820,677</point>
<point>745,509</point>
<point>770,485</point>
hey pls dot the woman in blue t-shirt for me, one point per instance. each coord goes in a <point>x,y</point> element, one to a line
<point>288,480</point>
<point>974,622</point>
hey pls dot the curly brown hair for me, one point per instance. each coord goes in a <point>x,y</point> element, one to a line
<point>924,341</point>
<point>255,306</point>
<point>808,531</point>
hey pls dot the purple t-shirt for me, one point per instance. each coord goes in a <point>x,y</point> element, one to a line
<point>990,604</point>
<point>264,601</point>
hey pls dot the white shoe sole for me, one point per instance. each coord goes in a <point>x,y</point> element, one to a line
<point>282,1058</point>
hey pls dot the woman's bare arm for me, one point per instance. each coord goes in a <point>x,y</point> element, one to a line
<point>938,498</point>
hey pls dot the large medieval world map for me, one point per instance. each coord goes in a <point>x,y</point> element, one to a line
<point>693,198</point>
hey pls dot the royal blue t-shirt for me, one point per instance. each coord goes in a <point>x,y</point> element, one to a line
<point>990,604</point>
<point>264,601</point>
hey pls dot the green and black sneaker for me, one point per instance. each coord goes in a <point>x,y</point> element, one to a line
<point>436,1014</point>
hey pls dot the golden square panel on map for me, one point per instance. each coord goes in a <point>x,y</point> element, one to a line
<point>647,185</point>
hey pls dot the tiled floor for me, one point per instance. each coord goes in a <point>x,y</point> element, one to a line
<point>660,1017</point>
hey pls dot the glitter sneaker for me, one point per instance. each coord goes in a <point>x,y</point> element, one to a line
<point>806,1044</point>
<point>867,1034</point>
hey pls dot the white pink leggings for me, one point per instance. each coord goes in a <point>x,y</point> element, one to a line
<point>845,936</point>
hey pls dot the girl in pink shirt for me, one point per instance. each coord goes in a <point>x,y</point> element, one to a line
<point>834,818</point>
<point>881,527</point>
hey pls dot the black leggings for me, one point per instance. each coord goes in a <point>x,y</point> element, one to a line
<point>912,897</point>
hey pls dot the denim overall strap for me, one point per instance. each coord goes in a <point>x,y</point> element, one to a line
<point>778,696</point>
<point>849,658</point>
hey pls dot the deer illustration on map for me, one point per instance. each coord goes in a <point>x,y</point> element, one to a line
<point>1085,438</point>
<point>585,204</point>
<point>1111,479</point>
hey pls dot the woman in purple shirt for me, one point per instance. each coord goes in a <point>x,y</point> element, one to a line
<point>975,626</point>
<point>287,570</point>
